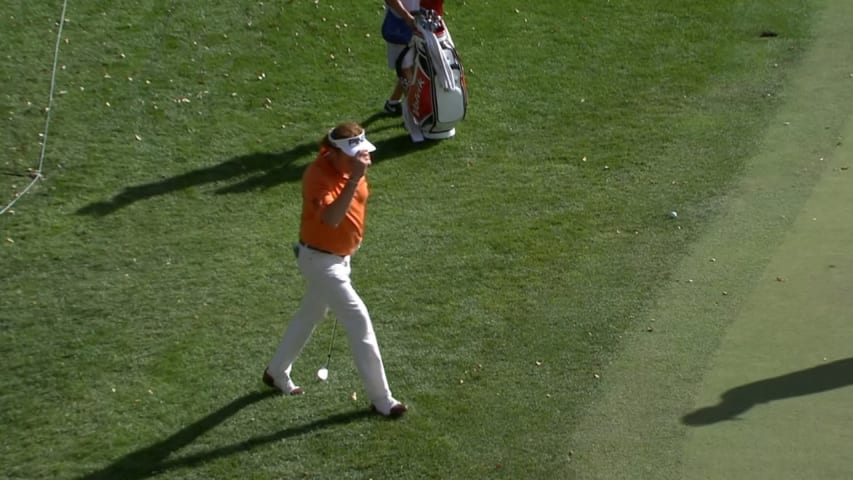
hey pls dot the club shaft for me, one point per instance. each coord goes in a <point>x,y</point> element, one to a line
<point>331,343</point>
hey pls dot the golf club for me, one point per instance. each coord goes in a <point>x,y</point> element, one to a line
<point>323,373</point>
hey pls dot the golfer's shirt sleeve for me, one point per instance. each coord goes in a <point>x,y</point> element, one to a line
<point>318,194</point>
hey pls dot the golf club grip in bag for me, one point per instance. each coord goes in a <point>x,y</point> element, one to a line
<point>436,93</point>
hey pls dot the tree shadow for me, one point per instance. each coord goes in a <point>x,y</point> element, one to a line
<point>255,171</point>
<point>738,400</point>
<point>154,459</point>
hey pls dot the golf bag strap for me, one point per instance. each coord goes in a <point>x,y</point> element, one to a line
<point>398,64</point>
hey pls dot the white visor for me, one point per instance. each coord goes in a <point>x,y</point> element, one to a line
<point>352,145</point>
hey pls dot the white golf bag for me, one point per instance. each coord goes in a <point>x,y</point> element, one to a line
<point>436,92</point>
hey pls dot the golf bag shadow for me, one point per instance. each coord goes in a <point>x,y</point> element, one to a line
<point>434,81</point>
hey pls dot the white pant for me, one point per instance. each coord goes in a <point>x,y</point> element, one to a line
<point>329,288</point>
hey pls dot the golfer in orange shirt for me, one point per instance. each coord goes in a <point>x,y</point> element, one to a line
<point>334,197</point>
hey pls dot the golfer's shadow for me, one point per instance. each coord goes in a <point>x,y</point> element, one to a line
<point>157,458</point>
<point>255,171</point>
<point>260,168</point>
<point>738,400</point>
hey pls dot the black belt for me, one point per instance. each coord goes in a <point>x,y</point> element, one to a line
<point>309,247</point>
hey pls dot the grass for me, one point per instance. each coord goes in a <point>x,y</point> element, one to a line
<point>148,278</point>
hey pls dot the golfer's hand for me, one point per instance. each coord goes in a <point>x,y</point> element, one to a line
<point>359,164</point>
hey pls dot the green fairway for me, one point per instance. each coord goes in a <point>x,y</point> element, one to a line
<point>777,399</point>
<point>536,306</point>
<point>771,278</point>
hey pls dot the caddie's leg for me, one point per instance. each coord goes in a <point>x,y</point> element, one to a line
<point>392,104</point>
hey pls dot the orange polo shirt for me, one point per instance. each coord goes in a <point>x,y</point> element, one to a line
<point>321,185</point>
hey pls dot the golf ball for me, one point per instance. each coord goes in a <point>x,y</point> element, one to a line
<point>673,214</point>
<point>322,374</point>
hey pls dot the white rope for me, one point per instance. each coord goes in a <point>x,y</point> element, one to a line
<point>37,175</point>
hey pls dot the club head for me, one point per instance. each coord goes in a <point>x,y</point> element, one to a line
<point>323,374</point>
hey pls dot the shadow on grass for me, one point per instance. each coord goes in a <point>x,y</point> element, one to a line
<point>257,171</point>
<point>154,459</point>
<point>738,400</point>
